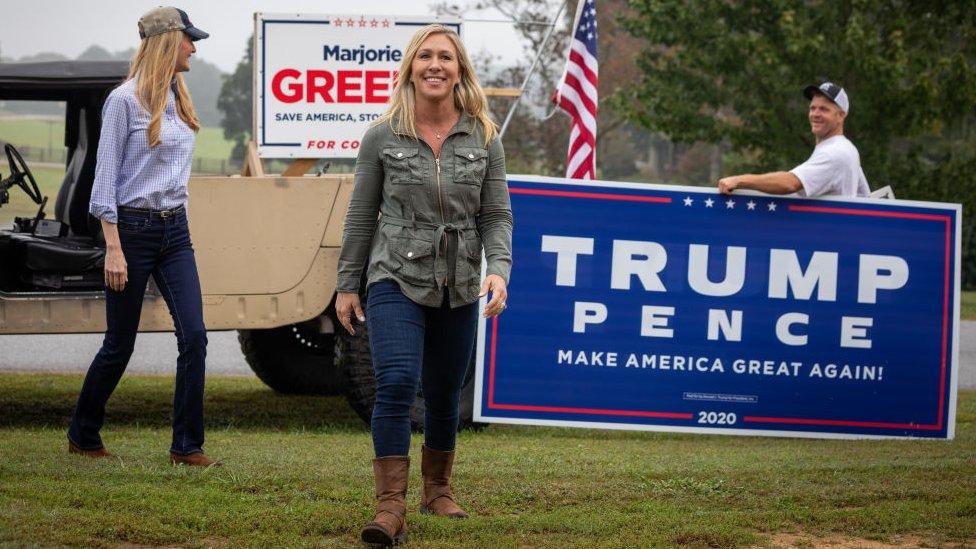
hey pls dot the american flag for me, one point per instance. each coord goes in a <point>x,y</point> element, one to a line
<point>576,93</point>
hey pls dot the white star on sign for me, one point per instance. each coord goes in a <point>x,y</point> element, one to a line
<point>771,206</point>
<point>688,201</point>
<point>709,202</point>
<point>729,204</point>
<point>751,205</point>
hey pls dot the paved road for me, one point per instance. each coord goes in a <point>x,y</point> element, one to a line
<point>156,354</point>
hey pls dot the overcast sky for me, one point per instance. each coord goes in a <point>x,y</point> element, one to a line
<point>70,26</point>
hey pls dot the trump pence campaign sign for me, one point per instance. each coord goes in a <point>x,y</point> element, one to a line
<point>651,307</point>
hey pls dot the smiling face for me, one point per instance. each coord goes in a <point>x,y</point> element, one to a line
<point>435,70</point>
<point>187,48</point>
<point>826,118</point>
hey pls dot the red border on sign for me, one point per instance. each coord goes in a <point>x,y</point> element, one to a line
<point>602,196</point>
<point>751,419</point>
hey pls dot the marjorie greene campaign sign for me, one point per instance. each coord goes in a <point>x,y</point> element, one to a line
<point>319,80</point>
<point>675,308</point>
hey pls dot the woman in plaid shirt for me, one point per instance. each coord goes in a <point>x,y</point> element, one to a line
<point>148,132</point>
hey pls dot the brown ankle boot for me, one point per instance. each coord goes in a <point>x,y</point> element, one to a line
<point>198,459</point>
<point>97,453</point>
<point>436,497</point>
<point>389,525</point>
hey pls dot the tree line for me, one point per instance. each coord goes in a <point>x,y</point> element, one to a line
<point>204,81</point>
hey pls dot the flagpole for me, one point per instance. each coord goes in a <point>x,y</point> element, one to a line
<point>525,82</point>
<point>577,94</point>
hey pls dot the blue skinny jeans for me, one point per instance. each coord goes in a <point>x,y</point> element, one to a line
<point>159,247</point>
<point>413,344</point>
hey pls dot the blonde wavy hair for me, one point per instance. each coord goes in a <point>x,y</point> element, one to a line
<point>154,67</point>
<point>469,98</point>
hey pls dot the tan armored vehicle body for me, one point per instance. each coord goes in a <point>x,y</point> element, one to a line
<point>267,250</point>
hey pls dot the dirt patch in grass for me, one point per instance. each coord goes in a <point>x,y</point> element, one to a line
<point>838,541</point>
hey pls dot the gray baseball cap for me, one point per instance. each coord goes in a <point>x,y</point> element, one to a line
<point>831,91</point>
<point>167,19</point>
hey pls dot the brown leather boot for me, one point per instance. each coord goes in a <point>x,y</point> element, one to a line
<point>436,497</point>
<point>198,459</point>
<point>389,525</point>
<point>99,453</point>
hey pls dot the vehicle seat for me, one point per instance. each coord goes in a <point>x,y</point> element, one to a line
<point>81,138</point>
<point>58,262</point>
<point>75,261</point>
<point>61,254</point>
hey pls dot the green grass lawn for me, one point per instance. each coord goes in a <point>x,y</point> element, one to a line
<point>297,474</point>
<point>32,132</point>
<point>211,144</point>
<point>967,311</point>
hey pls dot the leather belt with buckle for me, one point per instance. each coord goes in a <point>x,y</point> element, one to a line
<point>161,213</point>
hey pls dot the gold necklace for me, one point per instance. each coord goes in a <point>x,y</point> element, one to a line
<point>437,133</point>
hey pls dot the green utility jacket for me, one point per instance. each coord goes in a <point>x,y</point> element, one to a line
<point>435,215</point>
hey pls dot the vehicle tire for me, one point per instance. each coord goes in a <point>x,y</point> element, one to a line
<point>295,359</point>
<point>356,363</point>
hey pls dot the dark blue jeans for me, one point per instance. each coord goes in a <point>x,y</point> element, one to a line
<point>159,247</point>
<point>414,344</point>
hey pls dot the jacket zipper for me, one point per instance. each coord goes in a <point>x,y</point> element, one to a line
<point>440,197</point>
<point>440,202</point>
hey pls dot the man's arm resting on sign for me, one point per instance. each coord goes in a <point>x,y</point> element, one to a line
<point>772,183</point>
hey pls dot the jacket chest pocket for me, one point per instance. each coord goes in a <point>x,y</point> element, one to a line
<point>470,164</point>
<point>403,165</point>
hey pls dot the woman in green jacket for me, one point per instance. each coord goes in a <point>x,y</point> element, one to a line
<point>430,195</point>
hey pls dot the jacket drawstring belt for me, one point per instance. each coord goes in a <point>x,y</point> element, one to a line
<point>440,231</point>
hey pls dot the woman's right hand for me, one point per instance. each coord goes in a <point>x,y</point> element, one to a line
<point>347,304</point>
<point>116,269</point>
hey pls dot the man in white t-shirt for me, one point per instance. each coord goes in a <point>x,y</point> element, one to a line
<point>834,168</point>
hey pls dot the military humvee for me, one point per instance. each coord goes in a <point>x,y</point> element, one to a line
<point>267,251</point>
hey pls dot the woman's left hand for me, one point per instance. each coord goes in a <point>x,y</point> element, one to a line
<point>499,293</point>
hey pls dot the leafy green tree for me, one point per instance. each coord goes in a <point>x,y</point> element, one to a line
<point>732,71</point>
<point>235,105</point>
<point>720,69</point>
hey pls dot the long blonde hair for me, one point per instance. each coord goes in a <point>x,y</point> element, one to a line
<point>469,98</point>
<point>153,66</point>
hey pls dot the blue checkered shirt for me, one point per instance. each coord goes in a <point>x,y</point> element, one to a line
<point>128,172</point>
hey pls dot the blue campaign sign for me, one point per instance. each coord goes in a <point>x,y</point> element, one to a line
<point>676,308</point>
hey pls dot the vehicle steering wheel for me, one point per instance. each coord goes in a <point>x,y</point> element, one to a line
<point>20,175</point>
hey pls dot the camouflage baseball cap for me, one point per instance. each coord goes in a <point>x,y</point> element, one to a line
<point>166,19</point>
